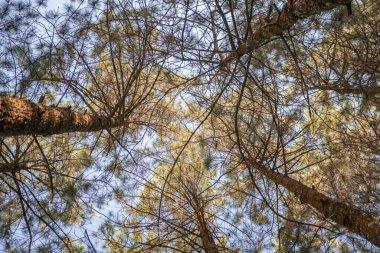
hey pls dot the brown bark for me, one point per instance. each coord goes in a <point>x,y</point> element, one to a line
<point>291,12</point>
<point>207,239</point>
<point>348,90</point>
<point>22,117</point>
<point>352,218</point>
<point>208,242</point>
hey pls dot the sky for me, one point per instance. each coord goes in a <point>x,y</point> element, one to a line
<point>95,222</point>
<point>56,4</point>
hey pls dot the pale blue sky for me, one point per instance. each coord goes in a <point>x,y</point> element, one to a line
<point>56,4</point>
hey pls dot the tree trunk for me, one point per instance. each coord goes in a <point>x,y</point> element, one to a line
<point>22,117</point>
<point>344,89</point>
<point>208,242</point>
<point>207,239</point>
<point>355,220</point>
<point>283,20</point>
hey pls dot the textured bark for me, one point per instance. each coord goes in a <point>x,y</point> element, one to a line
<point>291,12</point>
<point>22,117</point>
<point>353,219</point>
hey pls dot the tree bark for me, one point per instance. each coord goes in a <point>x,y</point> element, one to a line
<point>207,239</point>
<point>208,242</point>
<point>342,89</point>
<point>350,217</point>
<point>283,20</point>
<point>22,117</point>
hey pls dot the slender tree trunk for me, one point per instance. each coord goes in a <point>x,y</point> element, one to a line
<point>355,220</point>
<point>283,20</point>
<point>207,240</point>
<point>348,90</point>
<point>22,117</point>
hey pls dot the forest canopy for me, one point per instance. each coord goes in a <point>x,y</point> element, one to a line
<point>190,126</point>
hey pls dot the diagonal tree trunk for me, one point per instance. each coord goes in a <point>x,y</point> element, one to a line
<point>22,117</point>
<point>290,13</point>
<point>352,218</point>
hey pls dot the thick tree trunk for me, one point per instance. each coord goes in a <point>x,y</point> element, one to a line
<point>355,220</point>
<point>291,12</point>
<point>22,117</point>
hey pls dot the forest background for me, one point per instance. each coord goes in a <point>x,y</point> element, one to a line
<point>190,126</point>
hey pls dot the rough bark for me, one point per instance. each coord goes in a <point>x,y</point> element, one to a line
<point>291,12</point>
<point>350,217</point>
<point>22,117</point>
